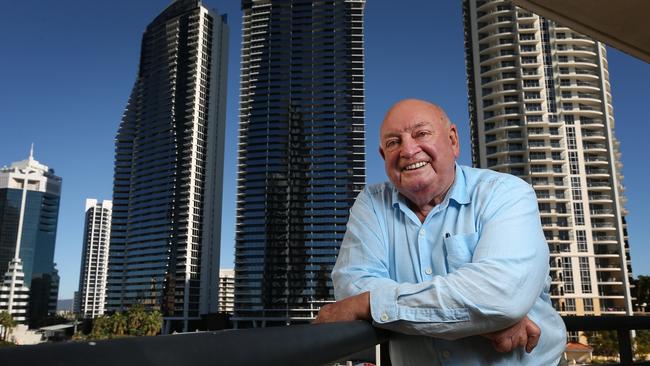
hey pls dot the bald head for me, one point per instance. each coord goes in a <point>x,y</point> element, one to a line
<point>410,105</point>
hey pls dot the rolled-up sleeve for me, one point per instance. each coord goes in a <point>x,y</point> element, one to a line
<point>494,290</point>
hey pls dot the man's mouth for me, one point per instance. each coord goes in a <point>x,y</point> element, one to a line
<point>417,165</point>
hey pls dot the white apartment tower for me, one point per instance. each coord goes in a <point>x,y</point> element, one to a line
<point>541,108</point>
<point>94,259</point>
<point>226,291</point>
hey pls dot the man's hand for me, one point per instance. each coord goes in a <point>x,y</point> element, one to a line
<point>352,308</point>
<point>524,333</point>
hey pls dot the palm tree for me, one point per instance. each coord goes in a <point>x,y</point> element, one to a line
<point>7,322</point>
<point>136,318</point>
<point>118,324</point>
<point>101,327</point>
<point>153,323</point>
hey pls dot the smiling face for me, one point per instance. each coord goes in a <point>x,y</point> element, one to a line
<point>419,146</point>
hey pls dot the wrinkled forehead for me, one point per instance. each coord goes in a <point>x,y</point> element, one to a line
<point>396,127</point>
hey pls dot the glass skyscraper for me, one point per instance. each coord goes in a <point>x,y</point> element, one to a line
<point>301,153</point>
<point>541,108</point>
<point>165,233</point>
<point>29,209</point>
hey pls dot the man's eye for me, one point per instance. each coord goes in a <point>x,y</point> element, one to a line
<point>391,144</point>
<point>422,134</point>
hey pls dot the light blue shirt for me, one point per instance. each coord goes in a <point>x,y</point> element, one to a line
<point>478,264</point>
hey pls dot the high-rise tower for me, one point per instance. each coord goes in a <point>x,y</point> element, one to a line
<point>94,259</point>
<point>301,153</point>
<point>29,209</point>
<point>165,234</point>
<point>541,108</point>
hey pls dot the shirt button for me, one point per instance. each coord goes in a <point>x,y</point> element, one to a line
<point>446,354</point>
<point>384,317</point>
<point>428,271</point>
<point>422,232</point>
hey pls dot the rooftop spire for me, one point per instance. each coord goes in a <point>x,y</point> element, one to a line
<point>31,152</point>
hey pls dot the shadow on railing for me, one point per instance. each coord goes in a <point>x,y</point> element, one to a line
<point>306,345</point>
<point>303,345</point>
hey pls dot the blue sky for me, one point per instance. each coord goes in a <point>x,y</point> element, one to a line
<point>68,66</point>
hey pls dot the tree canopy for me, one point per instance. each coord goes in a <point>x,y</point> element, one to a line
<point>137,321</point>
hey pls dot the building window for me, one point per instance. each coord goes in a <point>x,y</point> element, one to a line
<point>585,276</point>
<point>567,272</point>
<point>574,167</point>
<point>581,239</point>
<point>573,337</point>
<point>570,304</point>
<point>578,213</point>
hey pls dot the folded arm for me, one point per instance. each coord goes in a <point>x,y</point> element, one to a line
<point>491,293</point>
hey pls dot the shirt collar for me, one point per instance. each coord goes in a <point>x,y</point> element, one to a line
<point>457,192</point>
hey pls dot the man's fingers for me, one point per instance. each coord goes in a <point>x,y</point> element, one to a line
<point>503,344</point>
<point>532,342</point>
<point>522,339</point>
<point>534,333</point>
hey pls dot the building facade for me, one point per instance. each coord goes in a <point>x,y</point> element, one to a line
<point>90,298</point>
<point>227,291</point>
<point>541,108</point>
<point>301,153</point>
<point>165,231</point>
<point>29,208</point>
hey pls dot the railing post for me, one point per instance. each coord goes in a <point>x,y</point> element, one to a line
<point>625,347</point>
<point>385,355</point>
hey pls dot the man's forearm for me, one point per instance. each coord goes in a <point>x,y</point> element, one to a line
<point>355,307</point>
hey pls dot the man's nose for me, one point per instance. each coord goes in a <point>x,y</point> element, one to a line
<point>410,147</point>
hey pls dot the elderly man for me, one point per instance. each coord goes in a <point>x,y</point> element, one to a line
<point>452,259</point>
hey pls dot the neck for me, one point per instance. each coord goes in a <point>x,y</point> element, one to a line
<point>422,208</point>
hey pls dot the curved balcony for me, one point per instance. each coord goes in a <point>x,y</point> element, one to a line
<point>494,12</point>
<point>581,86</point>
<point>600,198</point>
<point>532,86</point>
<point>594,135</point>
<point>602,213</point>
<point>597,172</point>
<point>584,62</point>
<point>497,58</point>
<point>497,81</point>
<point>502,126</point>
<point>576,52</point>
<point>596,160</point>
<point>496,47</point>
<point>489,5</point>
<point>487,26</point>
<point>591,146</point>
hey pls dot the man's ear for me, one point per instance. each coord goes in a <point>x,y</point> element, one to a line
<point>453,137</point>
<point>381,152</point>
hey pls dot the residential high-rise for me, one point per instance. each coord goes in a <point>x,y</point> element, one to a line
<point>29,211</point>
<point>226,291</point>
<point>94,259</point>
<point>165,232</point>
<point>301,153</point>
<point>541,108</point>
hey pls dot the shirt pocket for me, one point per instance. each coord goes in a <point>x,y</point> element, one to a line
<point>459,250</point>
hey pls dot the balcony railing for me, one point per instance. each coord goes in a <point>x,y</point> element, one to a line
<point>303,345</point>
<point>306,345</point>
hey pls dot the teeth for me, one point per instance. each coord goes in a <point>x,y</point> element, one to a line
<point>416,165</point>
